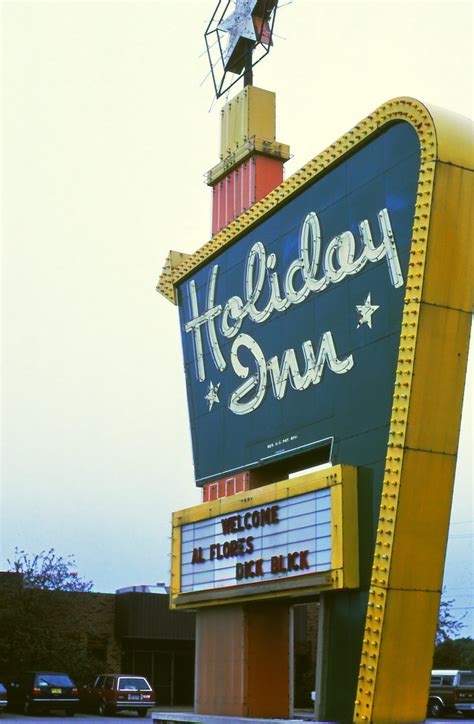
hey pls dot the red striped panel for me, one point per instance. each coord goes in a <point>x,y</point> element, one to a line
<point>268,175</point>
<point>242,187</point>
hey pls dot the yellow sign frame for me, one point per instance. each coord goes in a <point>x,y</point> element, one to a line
<point>412,532</point>
<point>341,481</point>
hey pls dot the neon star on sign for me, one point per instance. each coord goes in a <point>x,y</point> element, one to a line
<point>212,395</point>
<point>366,310</point>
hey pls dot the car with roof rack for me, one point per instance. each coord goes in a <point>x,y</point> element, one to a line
<point>451,691</point>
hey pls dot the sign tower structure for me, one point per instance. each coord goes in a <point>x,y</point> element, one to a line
<point>327,320</point>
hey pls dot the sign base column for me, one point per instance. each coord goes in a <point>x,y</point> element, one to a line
<point>242,660</point>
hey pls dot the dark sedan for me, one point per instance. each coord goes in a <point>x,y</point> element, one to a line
<point>42,691</point>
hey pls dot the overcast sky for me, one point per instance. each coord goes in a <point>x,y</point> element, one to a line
<point>107,132</point>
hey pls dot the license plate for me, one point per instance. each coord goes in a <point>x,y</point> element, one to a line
<point>56,691</point>
<point>133,697</point>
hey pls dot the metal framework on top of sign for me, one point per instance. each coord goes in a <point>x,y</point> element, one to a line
<point>427,397</point>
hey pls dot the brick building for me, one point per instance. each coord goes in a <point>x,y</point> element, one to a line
<point>85,634</point>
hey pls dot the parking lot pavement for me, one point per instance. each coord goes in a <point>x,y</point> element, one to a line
<point>56,718</point>
<point>123,717</point>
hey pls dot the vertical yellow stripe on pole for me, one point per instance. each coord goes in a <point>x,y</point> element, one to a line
<point>421,458</point>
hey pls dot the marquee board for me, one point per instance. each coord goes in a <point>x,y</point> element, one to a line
<point>294,535</point>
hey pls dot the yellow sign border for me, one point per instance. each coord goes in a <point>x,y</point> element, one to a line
<point>344,573</point>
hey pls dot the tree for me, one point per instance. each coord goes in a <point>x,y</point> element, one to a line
<point>41,604</point>
<point>457,654</point>
<point>448,625</point>
<point>48,571</point>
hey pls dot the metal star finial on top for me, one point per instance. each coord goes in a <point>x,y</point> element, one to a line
<point>234,35</point>
<point>242,37</point>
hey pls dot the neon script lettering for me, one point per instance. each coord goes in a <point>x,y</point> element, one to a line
<point>310,273</point>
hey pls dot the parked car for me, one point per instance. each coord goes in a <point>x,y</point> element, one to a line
<point>118,692</point>
<point>451,691</point>
<point>3,697</point>
<point>42,691</point>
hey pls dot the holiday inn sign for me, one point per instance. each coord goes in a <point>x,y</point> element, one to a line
<point>335,314</point>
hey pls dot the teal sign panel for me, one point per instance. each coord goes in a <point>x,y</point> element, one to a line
<point>290,335</point>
